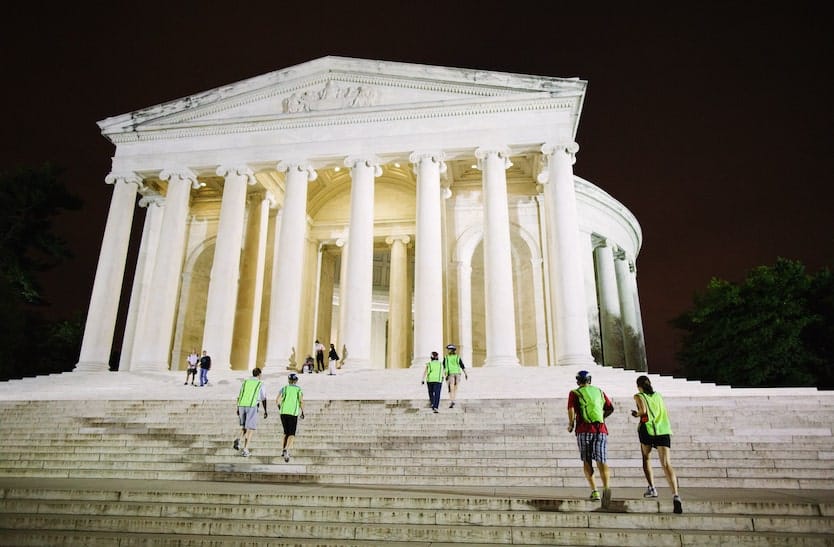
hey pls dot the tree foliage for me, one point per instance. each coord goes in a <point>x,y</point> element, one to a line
<point>773,329</point>
<point>30,199</point>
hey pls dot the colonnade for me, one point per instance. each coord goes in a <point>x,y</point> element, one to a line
<point>157,287</point>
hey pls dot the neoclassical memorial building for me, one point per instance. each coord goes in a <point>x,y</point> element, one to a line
<point>387,208</point>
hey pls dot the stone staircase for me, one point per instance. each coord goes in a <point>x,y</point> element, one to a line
<point>755,468</point>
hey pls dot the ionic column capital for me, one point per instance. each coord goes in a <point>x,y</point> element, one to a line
<point>483,153</point>
<point>180,174</point>
<point>549,150</point>
<point>418,157</point>
<point>152,198</point>
<point>284,166</point>
<point>369,161</point>
<point>598,241</point>
<point>405,239</point>
<point>128,177</point>
<point>240,170</point>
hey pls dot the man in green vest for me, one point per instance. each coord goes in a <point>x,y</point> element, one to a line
<point>454,366</point>
<point>291,405</point>
<point>250,396</point>
<point>588,406</point>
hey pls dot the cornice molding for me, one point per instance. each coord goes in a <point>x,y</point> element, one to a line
<point>322,119</point>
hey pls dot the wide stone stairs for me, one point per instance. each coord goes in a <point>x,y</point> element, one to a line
<point>389,472</point>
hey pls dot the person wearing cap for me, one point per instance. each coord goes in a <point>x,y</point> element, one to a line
<point>434,378</point>
<point>588,406</point>
<point>290,402</point>
<point>250,396</point>
<point>454,366</point>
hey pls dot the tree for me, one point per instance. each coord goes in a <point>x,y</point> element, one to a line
<point>768,330</point>
<point>30,198</point>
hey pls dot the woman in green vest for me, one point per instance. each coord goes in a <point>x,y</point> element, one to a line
<point>655,431</point>
<point>290,401</point>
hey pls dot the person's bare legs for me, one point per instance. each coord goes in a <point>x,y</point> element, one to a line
<point>588,469</point>
<point>646,452</point>
<point>453,390</point>
<point>246,435</point>
<point>665,460</point>
<point>604,472</point>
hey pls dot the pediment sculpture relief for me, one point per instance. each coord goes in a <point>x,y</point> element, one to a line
<point>331,96</point>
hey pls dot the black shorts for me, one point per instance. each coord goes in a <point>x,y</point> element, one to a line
<point>290,423</point>
<point>653,440</point>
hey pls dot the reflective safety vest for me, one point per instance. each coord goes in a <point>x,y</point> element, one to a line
<point>452,363</point>
<point>435,370</point>
<point>657,419</point>
<point>591,403</point>
<point>291,400</point>
<point>249,392</point>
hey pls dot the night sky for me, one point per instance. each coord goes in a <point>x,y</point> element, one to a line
<point>712,124</point>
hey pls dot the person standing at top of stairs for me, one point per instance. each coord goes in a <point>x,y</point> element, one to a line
<point>205,365</point>
<point>588,406</point>
<point>655,431</point>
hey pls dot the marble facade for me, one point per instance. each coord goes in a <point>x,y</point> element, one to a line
<point>388,208</point>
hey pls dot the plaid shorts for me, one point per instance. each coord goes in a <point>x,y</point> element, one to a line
<point>593,447</point>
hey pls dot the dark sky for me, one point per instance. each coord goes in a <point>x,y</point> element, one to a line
<point>712,123</point>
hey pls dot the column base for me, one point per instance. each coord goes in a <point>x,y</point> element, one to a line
<point>502,361</point>
<point>583,361</point>
<point>88,366</point>
<point>354,363</point>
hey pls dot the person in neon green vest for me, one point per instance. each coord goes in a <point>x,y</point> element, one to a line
<point>454,366</point>
<point>291,405</point>
<point>655,431</point>
<point>250,396</point>
<point>588,406</point>
<point>434,378</point>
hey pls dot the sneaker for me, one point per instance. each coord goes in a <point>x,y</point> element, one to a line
<point>650,492</point>
<point>286,455</point>
<point>452,405</point>
<point>676,501</point>
<point>595,495</point>
<point>434,410</point>
<point>245,453</point>
<point>236,444</point>
<point>606,497</point>
<point>185,383</point>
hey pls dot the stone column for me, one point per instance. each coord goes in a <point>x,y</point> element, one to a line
<point>589,276</point>
<point>358,285</point>
<point>327,278</point>
<point>153,343</point>
<point>225,268</point>
<point>573,345</point>
<point>464,345</point>
<point>286,287</point>
<point>632,332</point>
<point>609,305</point>
<point>250,295</point>
<point>107,287</point>
<point>428,258</point>
<point>398,303</point>
<point>498,266</point>
<point>154,209</point>
<point>343,244</point>
<point>537,267</point>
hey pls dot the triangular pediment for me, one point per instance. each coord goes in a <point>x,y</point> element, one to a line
<point>338,86</point>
